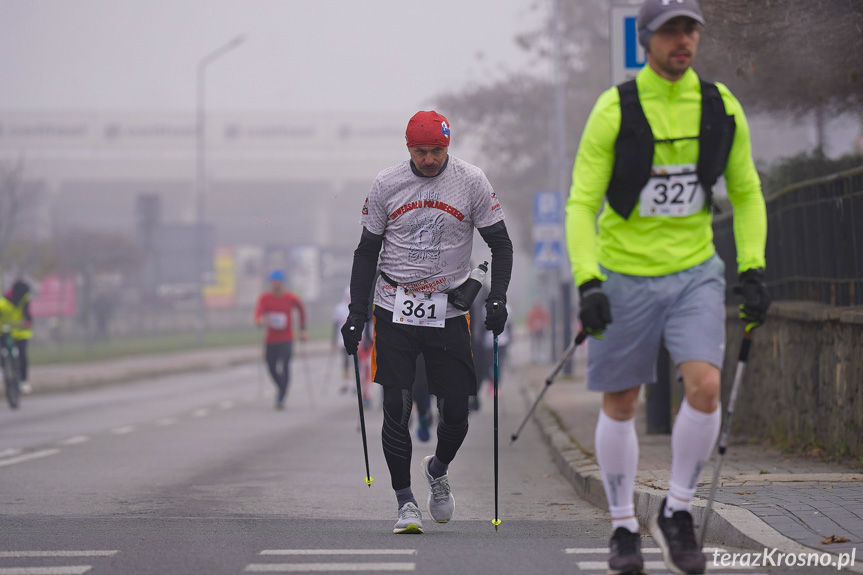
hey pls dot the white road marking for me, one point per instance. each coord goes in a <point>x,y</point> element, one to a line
<point>227,404</point>
<point>201,412</point>
<point>9,452</point>
<point>604,550</point>
<point>78,439</point>
<point>94,553</point>
<point>123,430</point>
<point>166,421</point>
<point>28,457</point>
<point>62,570</point>
<point>339,552</point>
<point>328,567</point>
<point>602,566</point>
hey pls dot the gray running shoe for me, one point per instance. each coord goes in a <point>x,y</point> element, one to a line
<point>441,503</point>
<point>410,520</point>
<point>676,538</point>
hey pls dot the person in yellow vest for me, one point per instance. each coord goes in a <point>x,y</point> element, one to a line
<point>651,152</point>
<point>18,314</point>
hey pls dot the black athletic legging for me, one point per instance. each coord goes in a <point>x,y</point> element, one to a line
<point>22,357</point>
<point>396,436</point>
<point>279,361</point>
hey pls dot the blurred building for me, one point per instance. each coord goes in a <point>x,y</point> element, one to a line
<point>290,184</point>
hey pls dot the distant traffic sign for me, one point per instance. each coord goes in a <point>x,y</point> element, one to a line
<point>547,208</point>
<point>548,236</point>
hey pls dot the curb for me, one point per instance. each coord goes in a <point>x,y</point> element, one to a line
<point>730,525</point>
<point>94,379</point>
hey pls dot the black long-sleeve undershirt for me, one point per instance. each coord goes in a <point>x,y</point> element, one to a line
<point>497,239</point>
<point>363,272</point>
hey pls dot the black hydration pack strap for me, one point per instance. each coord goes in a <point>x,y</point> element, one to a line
<point>633,149</point>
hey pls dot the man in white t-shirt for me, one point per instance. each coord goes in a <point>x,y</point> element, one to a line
<point>419,217</point>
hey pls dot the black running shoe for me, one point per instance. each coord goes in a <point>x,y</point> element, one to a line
<point>625,557</point>
<point>676,538</point>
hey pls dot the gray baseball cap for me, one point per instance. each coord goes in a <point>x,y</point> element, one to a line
<point>655,13</point>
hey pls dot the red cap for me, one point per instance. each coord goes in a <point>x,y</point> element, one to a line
<point>427,129</point>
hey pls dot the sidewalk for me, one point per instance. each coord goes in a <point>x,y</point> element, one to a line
<point>75,376</point>
<point>765,499</point>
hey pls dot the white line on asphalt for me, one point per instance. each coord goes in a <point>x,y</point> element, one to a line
<point>28,457</point>
<point>227,404</point>
<point>166,421</point>
<point>649,565</point>
<point>339,552</point>
<point>329,567</point>
<point>93,553</point>
<point>201,412</point>
<point>74,440</point>
<point>9,452</point>
<point>604,550</point>
<point>61,570</point>
<point>123,430</point>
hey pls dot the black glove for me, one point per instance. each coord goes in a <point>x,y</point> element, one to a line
<point>352,332</point>
<point>595,311</point>
<point>495,315</point>
<point>753,310</point>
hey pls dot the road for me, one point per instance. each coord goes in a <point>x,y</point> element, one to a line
<point>199,474</point>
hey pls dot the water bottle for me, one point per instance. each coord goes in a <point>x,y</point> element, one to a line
<point>468,291</point>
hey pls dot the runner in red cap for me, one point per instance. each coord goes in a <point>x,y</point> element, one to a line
<point>420,217</point>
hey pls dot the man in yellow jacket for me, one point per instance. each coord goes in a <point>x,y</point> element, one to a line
<point>651,152</point>
<point>17,313</point>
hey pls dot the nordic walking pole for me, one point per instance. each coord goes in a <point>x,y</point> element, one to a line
<point>369,478</point>
<point>723,439</point>
<point>310,388</point>
<point>495,521</point>
<point>261,374</point>
<point>567,355</point>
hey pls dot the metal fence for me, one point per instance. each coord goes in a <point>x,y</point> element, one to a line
<point>814,241</point>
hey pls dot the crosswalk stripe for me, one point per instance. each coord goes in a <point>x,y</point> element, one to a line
<point>604,550</point>
<point>339,552</point>
<point>603,565</point>
<point>28,457</point>
<point>123,430</point>
<point>9,452</point>
<point>201,412</point>
<point>166,421</point>
<point>91,553</point>
<point>60,570</point>
<point>328,567</point>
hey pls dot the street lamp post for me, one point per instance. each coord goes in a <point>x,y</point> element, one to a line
<point>201,178</point>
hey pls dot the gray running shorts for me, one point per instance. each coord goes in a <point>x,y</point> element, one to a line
<point>686,310</point>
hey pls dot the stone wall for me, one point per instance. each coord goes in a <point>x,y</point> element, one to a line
<point>803,383</point>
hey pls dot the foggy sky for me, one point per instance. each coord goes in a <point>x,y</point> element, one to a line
<point>298,54</point>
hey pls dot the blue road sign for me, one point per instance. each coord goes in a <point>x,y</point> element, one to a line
<point>547,208</point>
<point>627,55</point>
<point>548,250</point>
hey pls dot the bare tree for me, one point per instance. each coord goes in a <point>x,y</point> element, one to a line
<point>511,119</point>
<point>777,56</point>
<point>12,202</point>
<point>786,55</point>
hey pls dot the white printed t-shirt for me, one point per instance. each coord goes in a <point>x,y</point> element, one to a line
<point>427,225</point>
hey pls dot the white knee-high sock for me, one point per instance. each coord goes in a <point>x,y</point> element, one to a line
<point>692,440</point>
<point>616,445</point>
